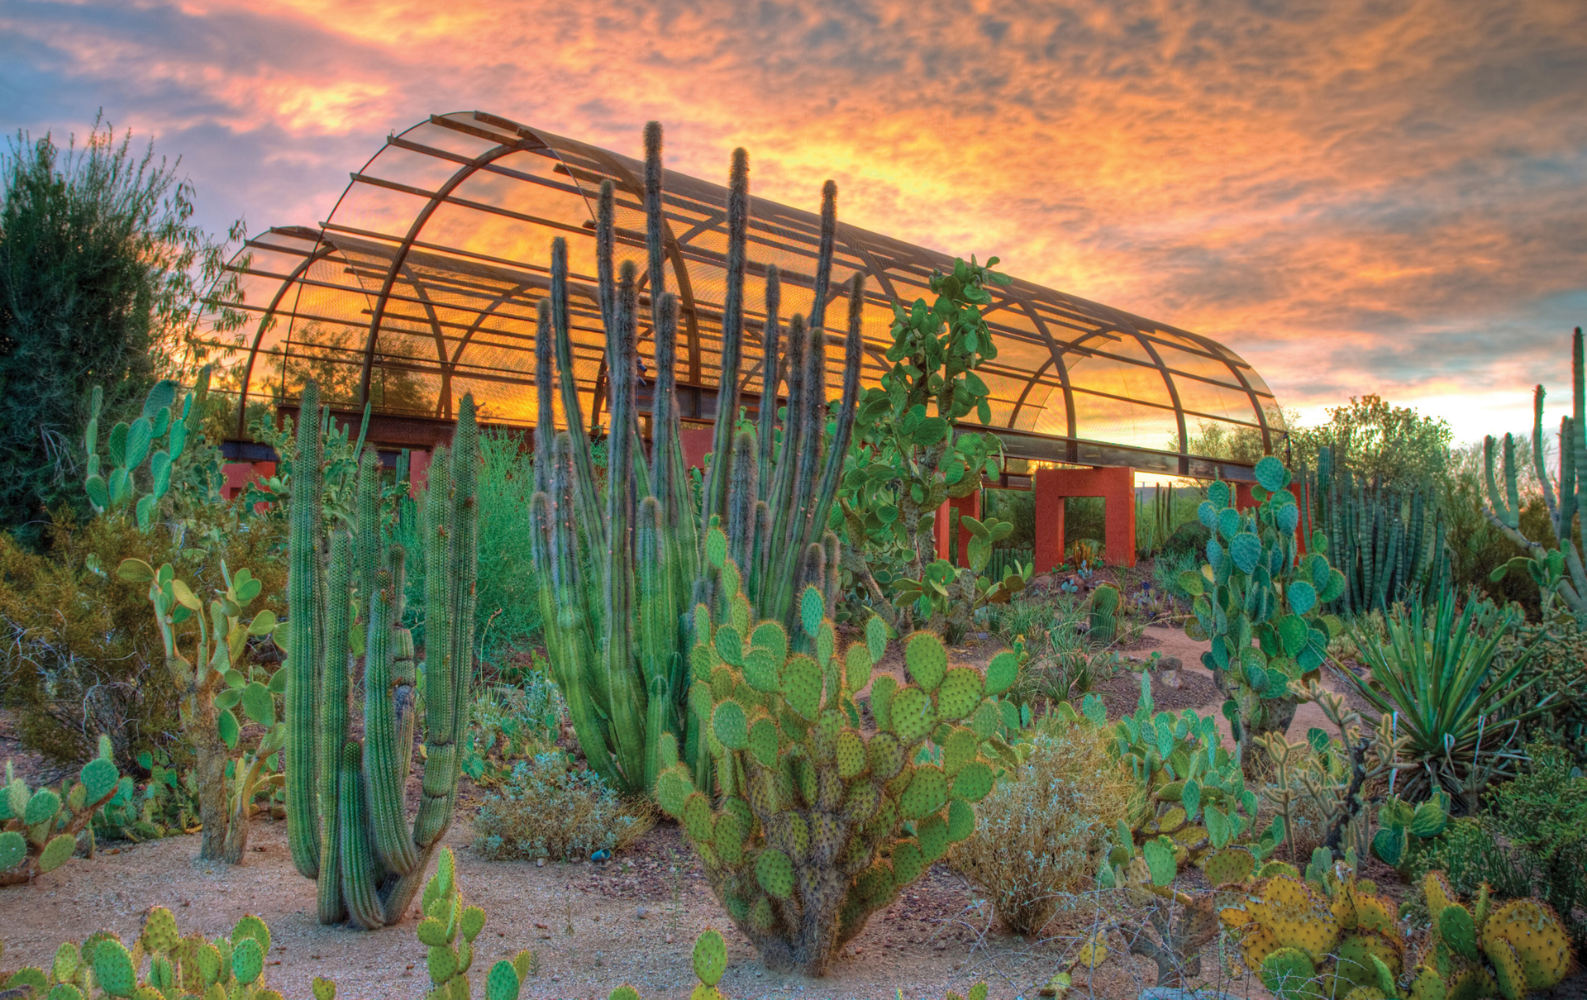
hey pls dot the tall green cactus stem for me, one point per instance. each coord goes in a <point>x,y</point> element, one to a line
<point>623,569</point>
<point>1560,570</point>
<point>1260,604</point>
<point>1391,549</point>
<point>346,821</point>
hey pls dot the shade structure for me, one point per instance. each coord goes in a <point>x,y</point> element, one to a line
<point>423,283</point>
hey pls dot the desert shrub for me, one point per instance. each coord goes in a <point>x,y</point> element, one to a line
<point>508,722</point>
<point>1188,537</point>
<point>101,268</point>
<point>549,809</point>
<point>1038,836</point>
<point>1559,664</point>
<point>1543,813</point>
<point>80,654</point>
<point>1470,854</point>
<point>507,604</point>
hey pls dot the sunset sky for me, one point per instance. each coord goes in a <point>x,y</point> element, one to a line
<point>1359,196</point>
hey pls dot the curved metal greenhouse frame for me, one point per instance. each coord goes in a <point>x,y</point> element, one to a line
<point>423,283</point>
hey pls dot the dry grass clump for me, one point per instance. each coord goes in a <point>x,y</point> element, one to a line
<point>1038,836</point>
<point>547,808</point>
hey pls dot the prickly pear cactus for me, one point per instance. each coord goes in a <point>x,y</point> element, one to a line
<point>1406,831</point>
<point>39,827</point>
<point>1260,605</point>
<point>817,825</point>
<point>160,965</point>
<point>449,929</point>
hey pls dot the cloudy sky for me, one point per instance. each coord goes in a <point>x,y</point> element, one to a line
<point>1359,196</point>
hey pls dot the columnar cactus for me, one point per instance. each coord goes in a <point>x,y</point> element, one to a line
<point>1558,570</point>
<point>817,826</point>
<point>622,571</point>
<point>1260,603</point>
<point>345,815</point>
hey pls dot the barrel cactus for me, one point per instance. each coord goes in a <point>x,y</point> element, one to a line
<point>1104,612</point>
<point>817,825</point>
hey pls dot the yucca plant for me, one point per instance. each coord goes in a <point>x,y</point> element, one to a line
<point>1438,677</point>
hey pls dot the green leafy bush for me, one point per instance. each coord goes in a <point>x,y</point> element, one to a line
<point>1040,834</point>
<point>1543,813</point>
<point>509,722</point>
<point>548,808</point>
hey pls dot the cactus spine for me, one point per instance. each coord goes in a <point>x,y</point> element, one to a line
<point>622,573</point>
<point>345,818</point>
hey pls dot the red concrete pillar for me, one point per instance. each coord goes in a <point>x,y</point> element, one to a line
<point>1047,553</point>
<point>696,443</point>
<point>1243,500</point>
<point>1116,486</point>
<point>967,506</point>
<point>418,472</point>
<point>1119,496</point>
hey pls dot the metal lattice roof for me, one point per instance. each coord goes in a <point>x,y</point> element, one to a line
<point>422,285</point>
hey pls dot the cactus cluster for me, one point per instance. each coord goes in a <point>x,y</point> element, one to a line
<point>345,797</point>
<point>817,826</point>
<point>1391,549</point>
<point>1559,571</point>
<point>1259,603</point>
<point>160,965</point>
<point>622,569</point>
<point>39,827</point>
<point>1191,798</point>
<point>1104,614</point>
<point>217,680</point>
<point>1330,936</point>
<point>1406,831</point>
<point>128,446</point>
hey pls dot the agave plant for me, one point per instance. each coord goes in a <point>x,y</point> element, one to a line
<point>1439,678</point>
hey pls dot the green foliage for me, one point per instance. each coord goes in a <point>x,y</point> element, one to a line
<point>907,458</point>
<point>818,826</point>
<point>1543,814</point>
<point>1394,447</point>
<point>1259,604</point>
<point>166,806</point>
<point>1439,675</point>
<point>101,274</point>
<point>1041,832</point>
<point>218,680</point>
<point>83,656</point>
<point>345,798</point>
<point>507,723</point>
<point>1555,655</point>
<point>622,574</point>
<point>39,827</point>
<point>547,808</point>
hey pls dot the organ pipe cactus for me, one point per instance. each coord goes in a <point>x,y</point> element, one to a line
<point>1558,570</point>
<point>345,817</point>
<point>622,570</point>
<point>817,826</point>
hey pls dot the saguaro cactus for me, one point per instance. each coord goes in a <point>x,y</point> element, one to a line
<point>345,817</point>
<point>622,570</point>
